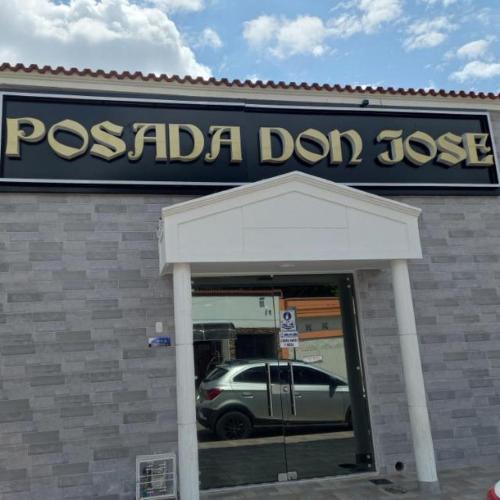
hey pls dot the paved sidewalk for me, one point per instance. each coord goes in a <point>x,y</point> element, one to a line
<point>470,483</point>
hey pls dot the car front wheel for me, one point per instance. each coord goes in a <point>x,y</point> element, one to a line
<point>233,425</point>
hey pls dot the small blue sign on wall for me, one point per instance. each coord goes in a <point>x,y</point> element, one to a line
<point>159,341</point>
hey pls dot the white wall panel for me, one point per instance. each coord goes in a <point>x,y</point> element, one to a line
<point>294,217</point>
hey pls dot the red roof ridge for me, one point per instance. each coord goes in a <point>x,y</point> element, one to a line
<point>137,75</point>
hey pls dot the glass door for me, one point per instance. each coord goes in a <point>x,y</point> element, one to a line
<point>325,408</point>
<point>280,389</point>
<point>238,379</point>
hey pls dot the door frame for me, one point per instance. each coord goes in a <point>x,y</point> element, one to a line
<point>353,327</point>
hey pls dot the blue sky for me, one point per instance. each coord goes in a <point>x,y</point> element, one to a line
<point>451,44</point>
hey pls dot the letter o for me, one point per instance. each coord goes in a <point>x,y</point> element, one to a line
<point>62,150</point>
<point>318,138</point>
<point>425,140</point>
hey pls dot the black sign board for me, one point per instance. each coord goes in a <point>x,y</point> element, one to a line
<point>95,141</point>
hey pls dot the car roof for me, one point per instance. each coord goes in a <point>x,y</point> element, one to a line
<point>238,363</point>
<point>258,361</point>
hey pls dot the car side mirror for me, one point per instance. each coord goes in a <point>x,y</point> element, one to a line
<point>333,387</point>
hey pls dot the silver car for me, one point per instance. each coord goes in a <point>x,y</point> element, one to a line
<point>239,395</point>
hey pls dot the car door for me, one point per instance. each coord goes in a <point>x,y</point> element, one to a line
<point>316,396</point>
<point>254,388</point>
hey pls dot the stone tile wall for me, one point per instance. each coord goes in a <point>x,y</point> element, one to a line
<point>456,291</point>
<point>81,394</point>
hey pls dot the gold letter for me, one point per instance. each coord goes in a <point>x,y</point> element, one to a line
<point>107,136</point>
<point>233,141</point>
<point>175,142</point>
<point>316,137</point>
<point>266,150</point>
<point>420,138</point>
<point>451,152</point>
<point>15,134</point>
<point>474,143</point>
<point>68,152</point>
<point>159,139</point>
<point>354,140</point>
<point>396,145</point>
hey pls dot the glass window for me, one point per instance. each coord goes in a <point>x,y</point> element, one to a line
<point>283,374</point>
<point>215,374</point>
<point>257,374</point>
<point>309,376</point>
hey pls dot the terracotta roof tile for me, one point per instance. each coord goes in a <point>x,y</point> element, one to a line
<point>224,82</point>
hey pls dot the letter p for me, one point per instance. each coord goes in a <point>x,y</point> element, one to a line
<point>16,134</point>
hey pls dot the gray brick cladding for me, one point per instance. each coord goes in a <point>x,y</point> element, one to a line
<point>456,291</point>
<point>81,395</point>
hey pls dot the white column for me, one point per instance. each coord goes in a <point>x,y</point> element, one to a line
<point>414,378</point>
<point>186,405</point>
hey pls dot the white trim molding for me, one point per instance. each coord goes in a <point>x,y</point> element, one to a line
<point>296,218</point>
<point>186,406</point>
<point>413,375</point>
<point>88,83</point>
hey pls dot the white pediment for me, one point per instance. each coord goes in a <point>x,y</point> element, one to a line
<point>290,218</point>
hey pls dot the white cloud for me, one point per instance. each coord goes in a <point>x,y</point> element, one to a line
<point>105,34</point>
<point>474,50</point>
<point>304,35</point>
<point>260,30</point>
<point>425,34</point>
<point>375,13</point>
<point>445,3</point>
<point>284,37</point>
<point>476,70</point>
<point>366,16</point>
<point>210,38</point>
<point>173,5</point>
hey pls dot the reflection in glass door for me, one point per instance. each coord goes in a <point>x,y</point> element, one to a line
<point>326,418</point>
<point>239,407</point>
<point>267,411</point>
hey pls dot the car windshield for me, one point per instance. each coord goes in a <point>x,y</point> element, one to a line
<point>216,373</point>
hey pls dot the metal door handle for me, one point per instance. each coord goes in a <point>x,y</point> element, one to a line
<point>292,390</point>
<point>247,395</point>
<point>268,387</point>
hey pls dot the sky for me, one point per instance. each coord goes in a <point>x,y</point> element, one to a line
<point>441,44</point>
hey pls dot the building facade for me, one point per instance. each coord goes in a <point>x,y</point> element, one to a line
<point>87,278</point>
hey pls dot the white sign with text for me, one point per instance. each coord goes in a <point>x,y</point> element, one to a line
<point>289,336</point>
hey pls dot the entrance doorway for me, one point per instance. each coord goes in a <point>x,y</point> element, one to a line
<point>280,386</point>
